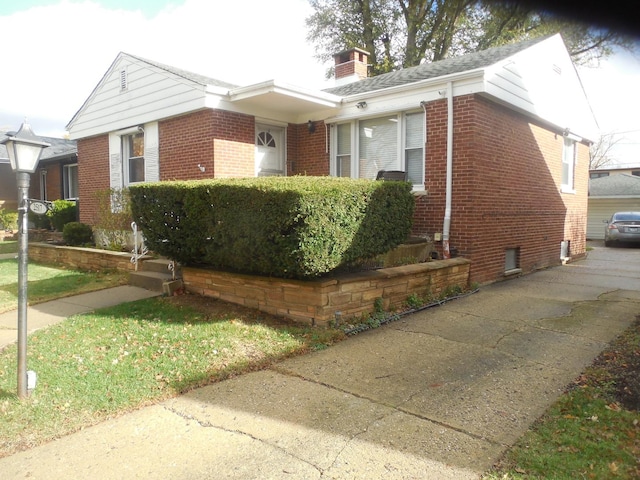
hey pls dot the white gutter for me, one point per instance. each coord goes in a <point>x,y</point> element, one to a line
<point>446,227</point>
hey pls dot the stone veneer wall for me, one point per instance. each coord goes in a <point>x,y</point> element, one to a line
<point>317,301</point>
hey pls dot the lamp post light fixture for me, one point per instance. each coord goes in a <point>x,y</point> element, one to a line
<point>24,149</point>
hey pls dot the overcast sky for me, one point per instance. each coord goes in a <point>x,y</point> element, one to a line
<point>56,52</point>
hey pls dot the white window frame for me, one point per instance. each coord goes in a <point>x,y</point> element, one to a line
<point>118,164</point>
<point>568,164</point>
<point>128,157</point>
<point>401,145</point>
<point>67,181</point>
<point>43,184</point>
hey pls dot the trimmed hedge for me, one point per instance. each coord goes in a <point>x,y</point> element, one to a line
<point>289,227</point>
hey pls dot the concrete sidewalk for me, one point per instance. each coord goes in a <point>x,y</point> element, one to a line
<point>48,313</point>
<point>439,394</point>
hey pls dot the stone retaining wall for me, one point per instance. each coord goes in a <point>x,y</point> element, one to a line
<point>317,301</point>
<point>80,258</point>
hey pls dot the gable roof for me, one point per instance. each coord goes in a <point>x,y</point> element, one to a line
<point>535,77</point>
<point>449,66</point>
<point>191,76</point>
<point>621,185</point>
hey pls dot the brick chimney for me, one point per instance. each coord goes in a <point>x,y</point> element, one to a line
<point>350,66</point>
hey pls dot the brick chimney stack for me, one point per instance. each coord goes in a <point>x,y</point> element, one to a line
<point>350,66</point>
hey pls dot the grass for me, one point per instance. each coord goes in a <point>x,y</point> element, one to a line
<point>8,246</point>
<point>47,283</point>
<point>95,366</point>
<point>593,430</point>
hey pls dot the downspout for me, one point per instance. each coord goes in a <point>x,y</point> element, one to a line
<point>446,227</point>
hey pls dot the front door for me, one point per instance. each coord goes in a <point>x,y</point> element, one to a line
<point>269,150</point>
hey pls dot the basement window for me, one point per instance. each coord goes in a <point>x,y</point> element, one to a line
<point>512,261</point>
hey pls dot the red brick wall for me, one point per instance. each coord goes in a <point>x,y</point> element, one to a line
<point>307,152</point>
<point>8,188</point>
<point>222,142</point>
<point>506,188</point>
<point>93,174</point>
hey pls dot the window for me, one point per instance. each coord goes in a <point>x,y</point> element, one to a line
<point>512,260</point>
<point>70,181</point>
<point>343,153</point>
<point>568,161</point>
<point>361,148</point>
<point>133,155</point>
<point>43,184</point>
<point>598,174</point>
<point>414,147</point>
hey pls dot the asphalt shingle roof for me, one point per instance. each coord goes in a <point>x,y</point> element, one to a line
<point>194,77</point>
<point>60,147</point>
<point>614,185</point>
<point>426,71</point>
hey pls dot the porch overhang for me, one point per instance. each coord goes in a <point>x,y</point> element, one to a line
<point>294,103</point>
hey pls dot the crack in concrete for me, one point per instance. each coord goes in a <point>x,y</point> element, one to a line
<point>395,408</point>
<point>204,424</point>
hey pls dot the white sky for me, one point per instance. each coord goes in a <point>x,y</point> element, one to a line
<point>56,52</point>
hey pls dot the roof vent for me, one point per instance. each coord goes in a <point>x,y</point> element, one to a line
<point>123,80</point>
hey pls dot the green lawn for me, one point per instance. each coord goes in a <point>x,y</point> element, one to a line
<point>94,366</point>
<point>46,283</point>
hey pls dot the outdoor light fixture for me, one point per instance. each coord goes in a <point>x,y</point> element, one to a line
<point>24,150</point>
<point>361,105</point>
<point>311,126</point>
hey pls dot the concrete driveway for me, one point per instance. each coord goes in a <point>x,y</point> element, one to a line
<point>438,394</point>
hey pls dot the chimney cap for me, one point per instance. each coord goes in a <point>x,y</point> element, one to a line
<point>349,50</point>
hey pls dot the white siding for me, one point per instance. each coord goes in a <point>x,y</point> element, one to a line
<point>601,209</point>
<point>151,93</point>
<point>542,81</point>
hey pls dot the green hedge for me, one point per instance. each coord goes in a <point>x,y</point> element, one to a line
<point>290,227</point>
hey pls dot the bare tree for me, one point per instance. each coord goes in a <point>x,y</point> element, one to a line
<point>600,153</point>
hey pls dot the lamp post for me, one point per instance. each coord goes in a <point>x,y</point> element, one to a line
<point>24,150</point>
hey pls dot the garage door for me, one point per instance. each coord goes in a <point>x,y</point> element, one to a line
<point>601,209</point>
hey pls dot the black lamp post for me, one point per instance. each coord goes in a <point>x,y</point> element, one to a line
<point>24,150</point>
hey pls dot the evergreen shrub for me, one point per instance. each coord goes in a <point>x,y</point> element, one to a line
<point>61,213</point>
<point>76,234</point>
<point>288,227</point>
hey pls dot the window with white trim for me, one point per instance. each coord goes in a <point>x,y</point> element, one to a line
<point>133,156</point>
<point>361,148</point>
<point>343,150</point>
<point>568,163</point>
<point>70,181</point>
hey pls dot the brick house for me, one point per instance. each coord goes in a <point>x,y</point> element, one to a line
<point>55,178</point>
<point>495,143</point>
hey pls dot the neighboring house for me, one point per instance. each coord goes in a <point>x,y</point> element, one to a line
<point>605,172</point>
<point>56,177</point>
<point>495,143</point>
<point>608,195</point>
